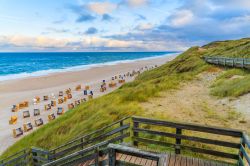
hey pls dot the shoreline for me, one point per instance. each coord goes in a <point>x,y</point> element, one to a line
<point>15,91</point>
<point>40,73</point>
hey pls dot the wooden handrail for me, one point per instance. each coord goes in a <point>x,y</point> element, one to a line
<point>178,136</point>
<point>88,135</point>
<point>230,62</point>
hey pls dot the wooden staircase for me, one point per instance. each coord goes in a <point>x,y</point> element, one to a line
<point>143,141</point>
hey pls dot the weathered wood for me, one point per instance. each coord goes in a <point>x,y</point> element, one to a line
<point>178,141</point>
<point>190,138</point>
<point>230,62</point>
<point>98,138</point>
<point>135,134</point>
<point>186,126</point>
<point>193,149</point>
<point>89,149</point>
<point>90,134</point>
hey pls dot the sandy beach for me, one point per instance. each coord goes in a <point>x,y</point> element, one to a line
<point>16,91</point>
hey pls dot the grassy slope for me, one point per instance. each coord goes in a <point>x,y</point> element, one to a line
<point>126,100</point>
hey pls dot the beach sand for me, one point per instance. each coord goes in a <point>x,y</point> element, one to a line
<point>16,91</point>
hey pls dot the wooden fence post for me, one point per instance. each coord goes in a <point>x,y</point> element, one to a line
<point>135,134</point>
<point>97,156</point>
<point>112,157</point>
<point>121,124</point>
<point>178,142</point>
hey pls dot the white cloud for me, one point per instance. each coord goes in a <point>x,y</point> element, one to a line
<point>26,43</point>
<point>136,3</point>
<point>102,7</point>
<point>182,18</point>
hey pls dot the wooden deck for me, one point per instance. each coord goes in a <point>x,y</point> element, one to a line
<point>170,160</point>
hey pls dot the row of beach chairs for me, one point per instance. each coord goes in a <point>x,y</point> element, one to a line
<point>62,99</point>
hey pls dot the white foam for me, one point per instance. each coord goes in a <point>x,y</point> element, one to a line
<point>74,68</point>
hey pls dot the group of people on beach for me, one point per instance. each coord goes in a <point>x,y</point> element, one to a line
<point>57,102</point>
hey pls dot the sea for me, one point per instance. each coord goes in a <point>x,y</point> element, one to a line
<point>21,65</point>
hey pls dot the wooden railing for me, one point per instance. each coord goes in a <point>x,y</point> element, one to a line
<point>188,139</point>
<point>20,158</point>
<point>201,140</point>
<point>229,62</point>
<point>111,131</point>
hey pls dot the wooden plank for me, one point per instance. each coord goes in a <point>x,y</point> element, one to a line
<point>195,162</point>
<point>201,162</point>
<point>154,163</point>
<point>167,159</point>
<point>143,161</point>
<point>123,157</point>
<point>183,161</point>
<point>189,161</point>
<point>149,162</point>
<point>118,156</point>
<point>128,158</point>
<point>138,160</point>
<point>171,160</point>
<point>132,160</point>
<point>178,160</point>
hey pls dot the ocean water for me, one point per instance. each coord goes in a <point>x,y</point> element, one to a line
<point>20,65</point>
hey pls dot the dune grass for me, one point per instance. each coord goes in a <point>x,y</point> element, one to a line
<point>124,101</point>
<point>232,83</point>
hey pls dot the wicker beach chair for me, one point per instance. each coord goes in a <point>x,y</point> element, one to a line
<point>60,100</point>
<point>60,111</point>
<point>53,103</point>
<point>65,98</point>
<point>27,127</point>
<point>77,102</point>
<point>37,99</point>
<point>17,132</point>
<point>39,122</point>
<point>36,112</point>
<point>51,117</point>
<point>85,92</point>
<point>71,106</point>
<point>13,120</point>
<point>69,96</point>
<point>45,98</point>
<point>23,104</point>
<point>26,114</point>
<point>15,108</point>
<point>78,87</point>
<point>60,93</point>
<point>47,107</point>
<point>67,91</point>
<point>112,84</point>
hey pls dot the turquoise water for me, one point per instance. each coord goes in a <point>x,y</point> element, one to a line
<point>18,65</point>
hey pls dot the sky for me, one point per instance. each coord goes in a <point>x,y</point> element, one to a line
<point>119,25</point>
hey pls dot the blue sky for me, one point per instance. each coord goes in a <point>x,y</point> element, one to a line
<point>119,25</point>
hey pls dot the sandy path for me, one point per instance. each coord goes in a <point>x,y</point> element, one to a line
<point>15,91</point>
<point>193,103</point>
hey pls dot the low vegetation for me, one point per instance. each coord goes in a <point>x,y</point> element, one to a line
<point>126,100</point>
<point>232,83</point>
